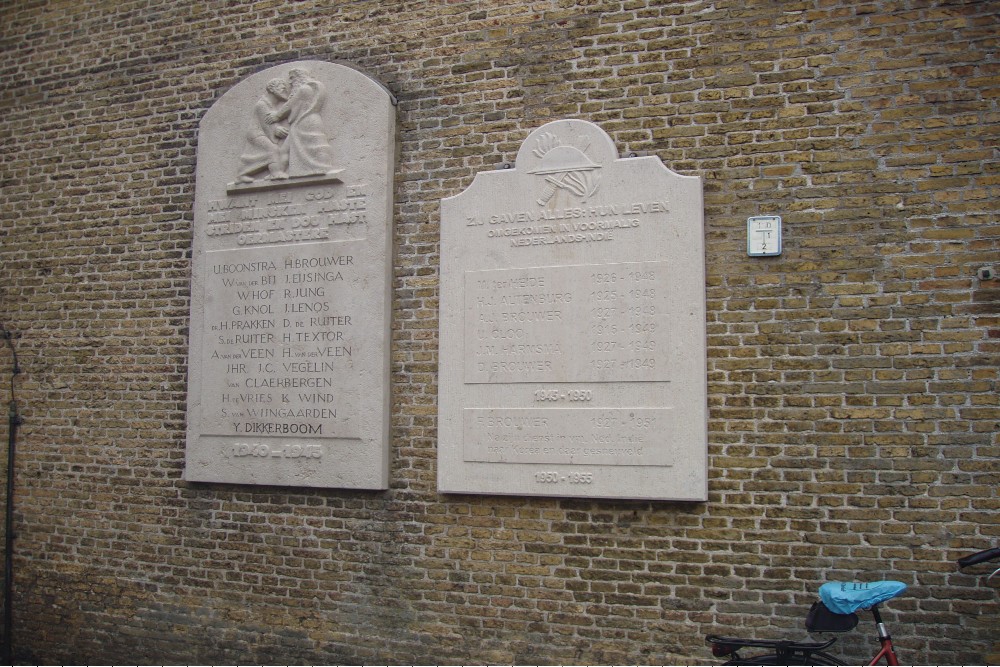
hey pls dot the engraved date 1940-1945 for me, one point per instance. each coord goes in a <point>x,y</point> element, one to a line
<point>260,450</point>
<point>556,477</point>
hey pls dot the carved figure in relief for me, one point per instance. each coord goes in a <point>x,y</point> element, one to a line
<point>309,150</point>
<point>265,140</point>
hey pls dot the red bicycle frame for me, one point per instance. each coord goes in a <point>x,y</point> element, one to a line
<point>887,652</point>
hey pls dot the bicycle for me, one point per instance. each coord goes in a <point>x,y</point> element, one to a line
<point>835,611</point>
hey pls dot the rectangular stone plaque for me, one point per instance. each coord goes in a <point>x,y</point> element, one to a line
<point>590,436</point>
<point>573,348</point>
<point>289,355</point>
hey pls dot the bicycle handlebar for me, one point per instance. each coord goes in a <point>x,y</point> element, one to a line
<point>979,557</point>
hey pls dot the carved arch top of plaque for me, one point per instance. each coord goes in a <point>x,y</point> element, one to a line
<point>294,124</point>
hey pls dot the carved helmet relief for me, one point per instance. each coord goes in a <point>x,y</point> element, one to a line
<point>564,167</point>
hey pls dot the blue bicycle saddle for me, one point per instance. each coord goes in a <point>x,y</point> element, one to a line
<point>846,597</point>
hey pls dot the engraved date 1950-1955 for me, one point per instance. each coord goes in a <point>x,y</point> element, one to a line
<point>557,477</point>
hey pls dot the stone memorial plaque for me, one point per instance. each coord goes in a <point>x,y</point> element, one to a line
<point>288,379</point>
<point>573,354</point>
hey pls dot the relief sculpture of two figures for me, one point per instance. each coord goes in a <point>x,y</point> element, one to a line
<point>287,137</point>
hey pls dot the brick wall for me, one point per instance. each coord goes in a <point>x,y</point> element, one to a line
<point>853,381</point>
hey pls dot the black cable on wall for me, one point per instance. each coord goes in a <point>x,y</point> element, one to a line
<point>13,420</point>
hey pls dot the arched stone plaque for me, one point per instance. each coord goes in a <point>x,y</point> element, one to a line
<point>289,355</point>
<point>573,326</point>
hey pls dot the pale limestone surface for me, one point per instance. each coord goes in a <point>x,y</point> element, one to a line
<point>573,354</point>
<point>290,307</point>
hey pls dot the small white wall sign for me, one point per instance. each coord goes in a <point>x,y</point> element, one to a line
<point>764,236</point>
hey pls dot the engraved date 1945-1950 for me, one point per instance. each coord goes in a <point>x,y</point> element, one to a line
<point>573,395</point>
<point>556,477</point>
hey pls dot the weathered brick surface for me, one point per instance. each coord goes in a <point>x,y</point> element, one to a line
<point>853,381</point>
